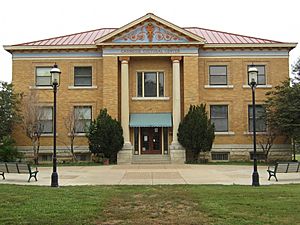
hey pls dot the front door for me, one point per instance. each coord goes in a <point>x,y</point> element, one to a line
<point>151,140</point>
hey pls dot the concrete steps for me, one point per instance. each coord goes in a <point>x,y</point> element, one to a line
<point>151,159</point>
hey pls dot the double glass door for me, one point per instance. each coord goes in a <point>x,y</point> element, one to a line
<point>151,140</point>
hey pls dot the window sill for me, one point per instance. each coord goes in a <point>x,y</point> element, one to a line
<point>48,135</point>
<point>259,86</point>
<point>78,134</point>
<point>150,98</point>
<point>257,132</point>
<point>41,87</point>
<point>218,86</point>
<point>82,87</point>
<point>224,133</point>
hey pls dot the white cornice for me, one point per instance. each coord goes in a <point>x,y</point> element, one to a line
<point>270,45</point>
<point>46,47</point>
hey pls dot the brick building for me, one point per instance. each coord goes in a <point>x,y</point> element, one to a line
<point>147,74</point>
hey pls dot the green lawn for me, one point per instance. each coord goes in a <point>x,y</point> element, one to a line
<point>150,205</point>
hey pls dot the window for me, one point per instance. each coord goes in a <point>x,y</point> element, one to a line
<point>260,118</point>
<point>43,76</point>
<point>150,84</point>
<point>46,119</point>
<point>219,116</point>
<point>220,156</point>
<point>218,75</point>
<point>261,77</point>
<point>83,76</point>
<point>83,118</point>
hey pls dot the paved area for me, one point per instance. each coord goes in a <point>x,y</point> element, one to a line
<point>152,175</point>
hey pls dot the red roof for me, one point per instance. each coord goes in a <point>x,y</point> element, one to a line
<point>88,38</point>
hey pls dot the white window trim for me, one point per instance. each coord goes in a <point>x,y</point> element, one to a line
<point>78,134</point>
<point>219,86</point>
<point>82,87</point>
<point>258,86</point>
<point>48,134</point>
<point>228,133</point>
<point>257,132</point>
<point>150,98</point>
<point>41,87</point>
<point>143,85</point>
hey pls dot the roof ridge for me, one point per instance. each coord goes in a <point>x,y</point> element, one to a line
<point>224,32</point>
<point>62,36</point>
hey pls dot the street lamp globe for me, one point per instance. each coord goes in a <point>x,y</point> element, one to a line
<point>55,74</point>
<point>252,75</point>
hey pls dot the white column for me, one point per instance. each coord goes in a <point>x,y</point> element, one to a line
<point>176,97</point>
<point>125,99</point>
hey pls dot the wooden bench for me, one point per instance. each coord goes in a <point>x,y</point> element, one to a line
<point>22,168</point>
<point>283,167</point>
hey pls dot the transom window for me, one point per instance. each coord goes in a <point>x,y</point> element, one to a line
<point>43,76</point>
<point>150,84</point>
<point>261,77</point>
<point>218,75</point>
<point>45,118</point>
<point>83,76</point>
<point>83,118</point>
<point>260,122</point>
<point>219,116</point>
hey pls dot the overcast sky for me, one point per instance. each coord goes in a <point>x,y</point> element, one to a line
<point>30,20</point>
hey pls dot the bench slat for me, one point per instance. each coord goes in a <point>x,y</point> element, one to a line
<point>282,167</point>
<point>12,168</point>
<point>3,168</point>
<point>23,168</point>
<point>293,167</point>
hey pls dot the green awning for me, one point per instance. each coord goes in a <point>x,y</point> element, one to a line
<point>150,120</point>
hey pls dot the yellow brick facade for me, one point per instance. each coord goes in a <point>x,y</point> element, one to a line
<point>189,61</point>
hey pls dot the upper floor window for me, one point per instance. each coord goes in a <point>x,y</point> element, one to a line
<point>83,118</point>
<point>83,76</point>
<point>43,76</point>
<point>218,75</point>
<point>261,77</point>
<point>150,84</point>
<point>219,116</point>
<point>45,117</point>
<point>260,122</point>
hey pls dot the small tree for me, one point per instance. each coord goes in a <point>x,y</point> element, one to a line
<point>31,122</point>
<point>70,124</point>
<point>195,132</point>
<point>105,136</point>
<point>283,109</point>
<point>266,141</point>
<point>8,152</point>
<point>9,109</point>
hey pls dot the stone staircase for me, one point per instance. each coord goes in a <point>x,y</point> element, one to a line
<point>151,159</point>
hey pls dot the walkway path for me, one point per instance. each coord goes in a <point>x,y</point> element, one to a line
<point>151,175</point>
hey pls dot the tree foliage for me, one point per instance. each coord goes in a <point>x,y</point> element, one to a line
<point>9,109</point>
<point>105,136</point>
<point>195,132</point>
<point>8,152</point>
<point>283,107</point>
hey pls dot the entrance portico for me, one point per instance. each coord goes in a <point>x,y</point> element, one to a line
<point>150,52</point>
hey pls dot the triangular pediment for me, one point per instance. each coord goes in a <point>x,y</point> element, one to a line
<point>150,29</point>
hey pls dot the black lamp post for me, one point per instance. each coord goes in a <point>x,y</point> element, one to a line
<point>252,75</point>
<point>55,73</point>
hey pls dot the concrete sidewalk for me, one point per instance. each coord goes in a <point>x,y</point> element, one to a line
<point>152,175</point>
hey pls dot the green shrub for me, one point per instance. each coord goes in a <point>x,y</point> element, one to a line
<point>8,152</point>
<point>105,136</point>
